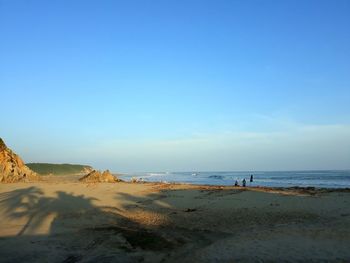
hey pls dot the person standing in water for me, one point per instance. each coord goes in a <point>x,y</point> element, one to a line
<point>243,182</point>
<point>251,178</point>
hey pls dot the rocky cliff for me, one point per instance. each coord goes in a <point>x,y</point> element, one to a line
<point>12,168</point>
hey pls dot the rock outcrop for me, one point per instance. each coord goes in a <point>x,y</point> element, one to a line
<point>98,177</point>
<point>12,168</point>
<point>87,170</point>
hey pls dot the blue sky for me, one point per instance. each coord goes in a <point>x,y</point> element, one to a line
<point>177,85</point>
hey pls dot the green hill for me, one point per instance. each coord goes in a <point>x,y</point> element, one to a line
<point>59,169</point>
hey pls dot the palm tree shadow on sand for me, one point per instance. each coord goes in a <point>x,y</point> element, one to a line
<point>70,228</point>
<point>65,223</point>
<point>31,205</point>
<point>163,226</point>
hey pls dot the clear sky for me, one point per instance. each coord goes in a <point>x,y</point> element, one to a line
<point>177,85</point>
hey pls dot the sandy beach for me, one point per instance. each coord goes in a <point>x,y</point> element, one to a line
<point>62,220</point>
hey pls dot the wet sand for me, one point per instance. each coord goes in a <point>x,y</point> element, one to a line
<point>62,220</point>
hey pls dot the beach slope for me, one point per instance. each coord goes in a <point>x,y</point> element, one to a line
<point>69,221</point>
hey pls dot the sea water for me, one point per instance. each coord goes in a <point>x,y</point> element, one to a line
<point>320,179</point>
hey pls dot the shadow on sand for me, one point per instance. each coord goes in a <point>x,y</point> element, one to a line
<point>164,226</point>
<point>70,228</point>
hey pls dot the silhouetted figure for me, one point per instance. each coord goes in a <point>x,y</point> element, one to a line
<point>243,182</point>
<point>236,183</point>
<point>251,178</point>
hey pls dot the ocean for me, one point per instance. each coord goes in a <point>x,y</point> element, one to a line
<point>319,179</point>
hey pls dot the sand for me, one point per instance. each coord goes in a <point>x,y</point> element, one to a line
<point>62,220</point>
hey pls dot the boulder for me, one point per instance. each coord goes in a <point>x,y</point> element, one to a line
<point>98,177</point>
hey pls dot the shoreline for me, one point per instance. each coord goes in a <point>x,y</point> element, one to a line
<point>318,179</point>
<point>74,179</point>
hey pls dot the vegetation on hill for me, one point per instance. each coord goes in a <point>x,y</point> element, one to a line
<point>59,169</point>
